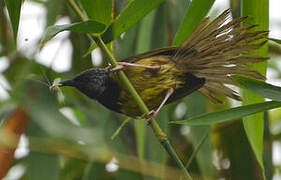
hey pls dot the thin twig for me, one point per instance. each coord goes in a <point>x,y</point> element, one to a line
<point>119,128</point>
<point>197,148</point>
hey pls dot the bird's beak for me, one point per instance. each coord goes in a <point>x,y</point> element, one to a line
<point>66,83</point>
<point>57,83</point>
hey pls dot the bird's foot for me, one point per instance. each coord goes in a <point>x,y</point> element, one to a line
<point>153,114</point>
<point>149,116</point>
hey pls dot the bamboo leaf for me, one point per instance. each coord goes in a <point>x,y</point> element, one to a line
<point>102,10</point>
<point>260,87</point>
<point>92,27</point>
<point>197,148</point>
<point>197,10</point>
<point>132,14</point>
<point>278,41</point>
<point>120,128</point>
<point>229,114</point>
<point>14,7</point>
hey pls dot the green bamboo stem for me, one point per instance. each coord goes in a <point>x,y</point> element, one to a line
<point>161,136</point>
<point>258,12</point>
<point>77,10</point>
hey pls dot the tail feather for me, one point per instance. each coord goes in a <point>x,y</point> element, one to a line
<point>221,89</point>
<point>215,51</point>
<point>205,29</point>
<point>210,95</point>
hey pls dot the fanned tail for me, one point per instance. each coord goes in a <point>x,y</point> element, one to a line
<point>215,50</point>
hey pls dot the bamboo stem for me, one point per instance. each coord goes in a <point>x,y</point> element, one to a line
<point>258,12</point>
<point>161,136</point>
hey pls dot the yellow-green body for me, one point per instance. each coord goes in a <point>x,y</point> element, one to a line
<point>151,85</point>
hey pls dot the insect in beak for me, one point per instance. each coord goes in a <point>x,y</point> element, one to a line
<point>56,84</point>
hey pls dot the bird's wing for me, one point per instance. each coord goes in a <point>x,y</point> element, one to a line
<point>167,51</point>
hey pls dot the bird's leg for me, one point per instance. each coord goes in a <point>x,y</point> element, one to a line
<point>139,65</point>
<point>153,114</point>
<point>124,65</point>
<point>116,69</point>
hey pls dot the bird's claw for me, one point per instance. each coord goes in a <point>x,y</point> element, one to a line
<point>149,116</point>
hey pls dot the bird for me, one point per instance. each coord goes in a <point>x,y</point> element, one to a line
<point>204,62</point>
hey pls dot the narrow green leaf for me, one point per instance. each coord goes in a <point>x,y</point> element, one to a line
<point>260,87</point>
<point>80,27</point>
<point>14,7</point>
<point>197,10</point>
<point>197,148</point>
<point>278,41</point>
<point>229,114</point>
<point>120,128</point>
<point>132,14</point>
<point>125,21</point>
<point>98,10</point>
<point>258,11</point>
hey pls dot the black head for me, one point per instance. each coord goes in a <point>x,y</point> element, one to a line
<point>92,82</point>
